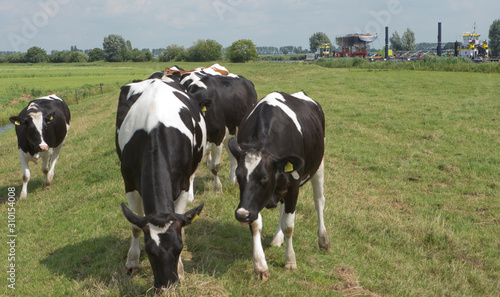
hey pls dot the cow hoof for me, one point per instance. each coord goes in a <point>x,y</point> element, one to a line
<point>133,270</point>
<point>291,266</point>
<point>324,243</point>
<point>263,276</point>
<point>47,188</point>
<point>23,196</point>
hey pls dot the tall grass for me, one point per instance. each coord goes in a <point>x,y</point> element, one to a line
<point>428,63</point>
<point>412,184</point>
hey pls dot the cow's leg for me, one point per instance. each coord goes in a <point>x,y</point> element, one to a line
<point>191,188</point>
<point>287,225</point>
<point>215,167</point>
<point>26,174</point>
<point>278,235</point>
<point>259,258</point>
<point>45,168</point>
<point>135,204</point>
<point>208,152</point>
<point>180,207</point>
<point>233,163</point>
<point>319,201</point>
<point>49,174</point>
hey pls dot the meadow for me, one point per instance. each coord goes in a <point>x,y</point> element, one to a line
<point>412,186</point>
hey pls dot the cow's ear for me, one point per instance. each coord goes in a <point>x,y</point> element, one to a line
<point>192,215</point>
<point>289,164</point>
<point>16,120</point>
<point>49,117</point>
<point>134,218</point>
<point>234,147</point>
<point>205,105</point>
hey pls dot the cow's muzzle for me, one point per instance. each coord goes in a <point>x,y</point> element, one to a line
<point>242,215</point>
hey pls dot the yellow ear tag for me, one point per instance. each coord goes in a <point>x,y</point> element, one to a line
<point>204,109</point>
<point>51,118</point>
<point>17,123</point>
<point>288,167</point>
<point>194,218</point>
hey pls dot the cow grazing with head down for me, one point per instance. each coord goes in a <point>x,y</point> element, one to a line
<point>281,146</point>
<point>41,129</point>
<point>160,140</point>
<point>232,97</point>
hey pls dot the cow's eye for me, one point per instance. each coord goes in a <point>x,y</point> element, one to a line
<point>264,179</point>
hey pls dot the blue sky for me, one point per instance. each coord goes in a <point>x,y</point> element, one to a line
<point>59,24</point>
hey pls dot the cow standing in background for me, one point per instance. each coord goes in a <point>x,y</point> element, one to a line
<point>160,140</point>
<point>281,147</point>
<point>232,97</point>
<point>41,129</point>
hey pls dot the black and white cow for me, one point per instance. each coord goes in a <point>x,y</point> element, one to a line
<point>41,129</point>
<point>232,96</point>
<point>160,140</point>
<point>281,146</point>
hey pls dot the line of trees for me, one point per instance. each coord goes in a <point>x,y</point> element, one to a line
<point>117,49</point>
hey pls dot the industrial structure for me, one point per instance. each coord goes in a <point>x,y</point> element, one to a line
<point>354,45</point>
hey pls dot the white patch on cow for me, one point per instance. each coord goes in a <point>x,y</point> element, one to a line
<point>52,97</point>
<point>200,84</point>
<point>33,105</point>
<point>37,118</point>
<point>219,67</point>
<point>233,75</point>
<point>251,162</point>
<point>303,96</point>
<point>157,103</point>
<point>155,231</point>
<point>194,76</point>
<point>210,71</point>
<point>138,87</point>
<point>276,99</point>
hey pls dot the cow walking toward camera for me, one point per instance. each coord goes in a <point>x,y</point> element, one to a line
<point>280,147</point>
<point>41,129</point>
<point>160,140</point>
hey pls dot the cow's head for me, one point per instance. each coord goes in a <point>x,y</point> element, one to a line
<point>258,173</point>
<point>163,241</point>
<point>34,125</point>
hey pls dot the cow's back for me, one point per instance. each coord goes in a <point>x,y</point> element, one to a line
<point>160,134</point>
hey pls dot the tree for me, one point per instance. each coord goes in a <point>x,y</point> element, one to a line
<point>137,56</point>
<point>96,54</point>
<point>35,55</point>
<point>204,51</point>
<point>59,57</point>
<point>494,36</point>
<point>116,49</point>
<point>173,52</point>
<point>242,51</point>
<point>318,39</point>
<point>78,56</point>
<point>408,40</point>
<point>396,43</point>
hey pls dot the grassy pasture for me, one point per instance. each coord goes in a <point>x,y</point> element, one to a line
<point>412,186</point>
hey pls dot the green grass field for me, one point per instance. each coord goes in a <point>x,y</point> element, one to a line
<point>412,186</point>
